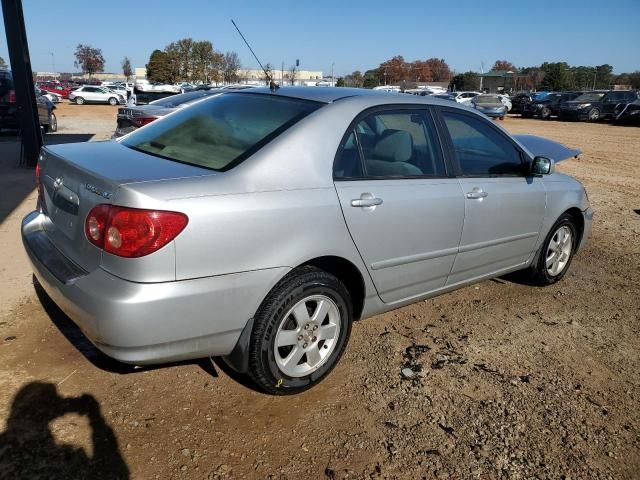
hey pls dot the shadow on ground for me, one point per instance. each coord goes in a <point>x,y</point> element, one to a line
<point>28,448</point>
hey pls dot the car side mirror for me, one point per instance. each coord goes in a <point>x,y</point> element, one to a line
<point>542,166</point>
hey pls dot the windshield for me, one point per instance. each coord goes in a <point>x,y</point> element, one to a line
<point>175,100</point>
<point>487,99</point>
<point>590,97</point>
<point>221,132</point>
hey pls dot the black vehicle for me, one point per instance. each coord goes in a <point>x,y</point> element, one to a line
<point>519,101</point>
<point>9,107</point>
<point>627,113</point>
<point>548,105</point>
<point>132,118</point>
<point>594,106</point>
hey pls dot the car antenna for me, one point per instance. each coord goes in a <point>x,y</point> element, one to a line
<point>272,85</point>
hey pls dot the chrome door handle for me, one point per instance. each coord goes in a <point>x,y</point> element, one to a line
<point>476,194</point>
<point>366,200</point>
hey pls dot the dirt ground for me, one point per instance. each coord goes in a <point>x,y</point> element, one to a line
<point>515,381</point>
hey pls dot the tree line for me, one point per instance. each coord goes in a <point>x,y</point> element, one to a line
<point>554,76</point>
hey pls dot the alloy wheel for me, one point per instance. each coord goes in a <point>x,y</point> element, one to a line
<point>559,251</point>
<point>307,336</point>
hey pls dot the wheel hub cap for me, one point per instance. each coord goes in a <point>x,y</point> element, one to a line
<point>559,251</point>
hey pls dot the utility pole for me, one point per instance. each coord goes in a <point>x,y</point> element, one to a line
<point>333,82</point>
<point>481,75</point>
<point>282,75</point>
<point>53,64</point>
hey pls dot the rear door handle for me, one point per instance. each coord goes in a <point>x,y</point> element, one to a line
<point>476,194</point>
<point>366,200</point>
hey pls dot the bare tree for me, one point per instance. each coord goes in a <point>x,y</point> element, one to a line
<point>230,67</point>
<point>292,74</point>
<point>270,70</point>
<point>89,59</point>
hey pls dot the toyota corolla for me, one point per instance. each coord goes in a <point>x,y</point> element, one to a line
<point>257,225</point>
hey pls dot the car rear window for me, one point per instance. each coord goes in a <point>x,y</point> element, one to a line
<point>221,132</point>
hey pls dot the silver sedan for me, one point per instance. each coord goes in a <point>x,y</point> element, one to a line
<point>257,225</point>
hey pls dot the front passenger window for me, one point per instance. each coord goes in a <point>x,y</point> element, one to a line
<point>480,150</point>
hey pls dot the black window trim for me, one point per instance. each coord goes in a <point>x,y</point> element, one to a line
<point>452,158</point>
<point>427,110</point>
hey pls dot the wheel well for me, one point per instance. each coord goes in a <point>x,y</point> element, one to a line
<point>348,274</point>
<point>578,221</point>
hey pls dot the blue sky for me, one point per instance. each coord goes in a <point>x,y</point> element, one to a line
<point>351,34</point>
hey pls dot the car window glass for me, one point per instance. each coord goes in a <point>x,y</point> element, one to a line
<point>392,144</point>
<point>480,149</point>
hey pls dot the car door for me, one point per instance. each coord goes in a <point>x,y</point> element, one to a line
<point>89,94</point>
<point>504,206</point>
<point>402,208</point>
<point>609,102</point>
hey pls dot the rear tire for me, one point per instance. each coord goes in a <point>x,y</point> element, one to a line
<point>53,123</point>
<point>300,332</point>
<point>79,101</point>
<point>556,253</point>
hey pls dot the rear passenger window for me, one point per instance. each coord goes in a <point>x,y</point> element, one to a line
<point>390,145</point>
<point>480,149</point>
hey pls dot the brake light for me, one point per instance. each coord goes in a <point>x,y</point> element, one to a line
<point>142,121</point>
<point>132,232</point>
<point>12,96</point>
<point>38,185</point>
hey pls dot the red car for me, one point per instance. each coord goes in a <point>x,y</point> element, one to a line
<point>55,88</point>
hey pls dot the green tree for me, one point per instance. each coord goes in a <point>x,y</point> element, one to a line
<point>88,59</point>
<point>205,62</point>
<point>3,64</point>
<point>557,76</point>
<point>583,77</point>
<point>127,71</point>
<point>603,76</point>
<point>340,82</point>
<point>370,79</point>
<point>466,81</point>
<point>160,67</point>
<point>354,79</point>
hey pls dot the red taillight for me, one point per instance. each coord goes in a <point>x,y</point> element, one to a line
<point>12,96</point>
<point>132,232</point>
<point>39,186</point>
<point>142,121</point>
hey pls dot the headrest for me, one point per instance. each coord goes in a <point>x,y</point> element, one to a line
<point>396,146</point>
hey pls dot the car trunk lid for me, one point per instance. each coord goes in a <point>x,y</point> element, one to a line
<point>77,177</point>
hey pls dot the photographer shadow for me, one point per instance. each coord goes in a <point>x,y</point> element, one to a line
<point>28,448</point>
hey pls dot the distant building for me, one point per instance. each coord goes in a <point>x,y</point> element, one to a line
<point>501,81</point>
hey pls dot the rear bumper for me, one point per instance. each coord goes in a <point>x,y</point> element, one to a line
<point>146,323</point>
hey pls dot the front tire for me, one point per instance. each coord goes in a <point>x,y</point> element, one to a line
<point>113,101</point>
<point>556,253</point>
<point>300,332</point>
<point>545,114</point>
<point>593,115</point>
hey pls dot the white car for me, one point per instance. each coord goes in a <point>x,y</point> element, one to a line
<point>145,85</point>
<point>465,97</point>
<point>506,101</point>
<point>94,94</point>
<point>52,97</point>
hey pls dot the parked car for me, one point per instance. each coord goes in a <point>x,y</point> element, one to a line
<point>56,88</point>
<point>548,105</point>
<point>506,101</point>
<point>587,106</point>
<point>257,225</point>
<point>627,113</point>
<point>145,85</point>
<point>445,96</point>
<point>132,118</point>
<point>519,101</point>
<point>9,107</point>
<point>466,97</point>
<point>52,97</point>
<point>489,104</point>
<point>92,94</point>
